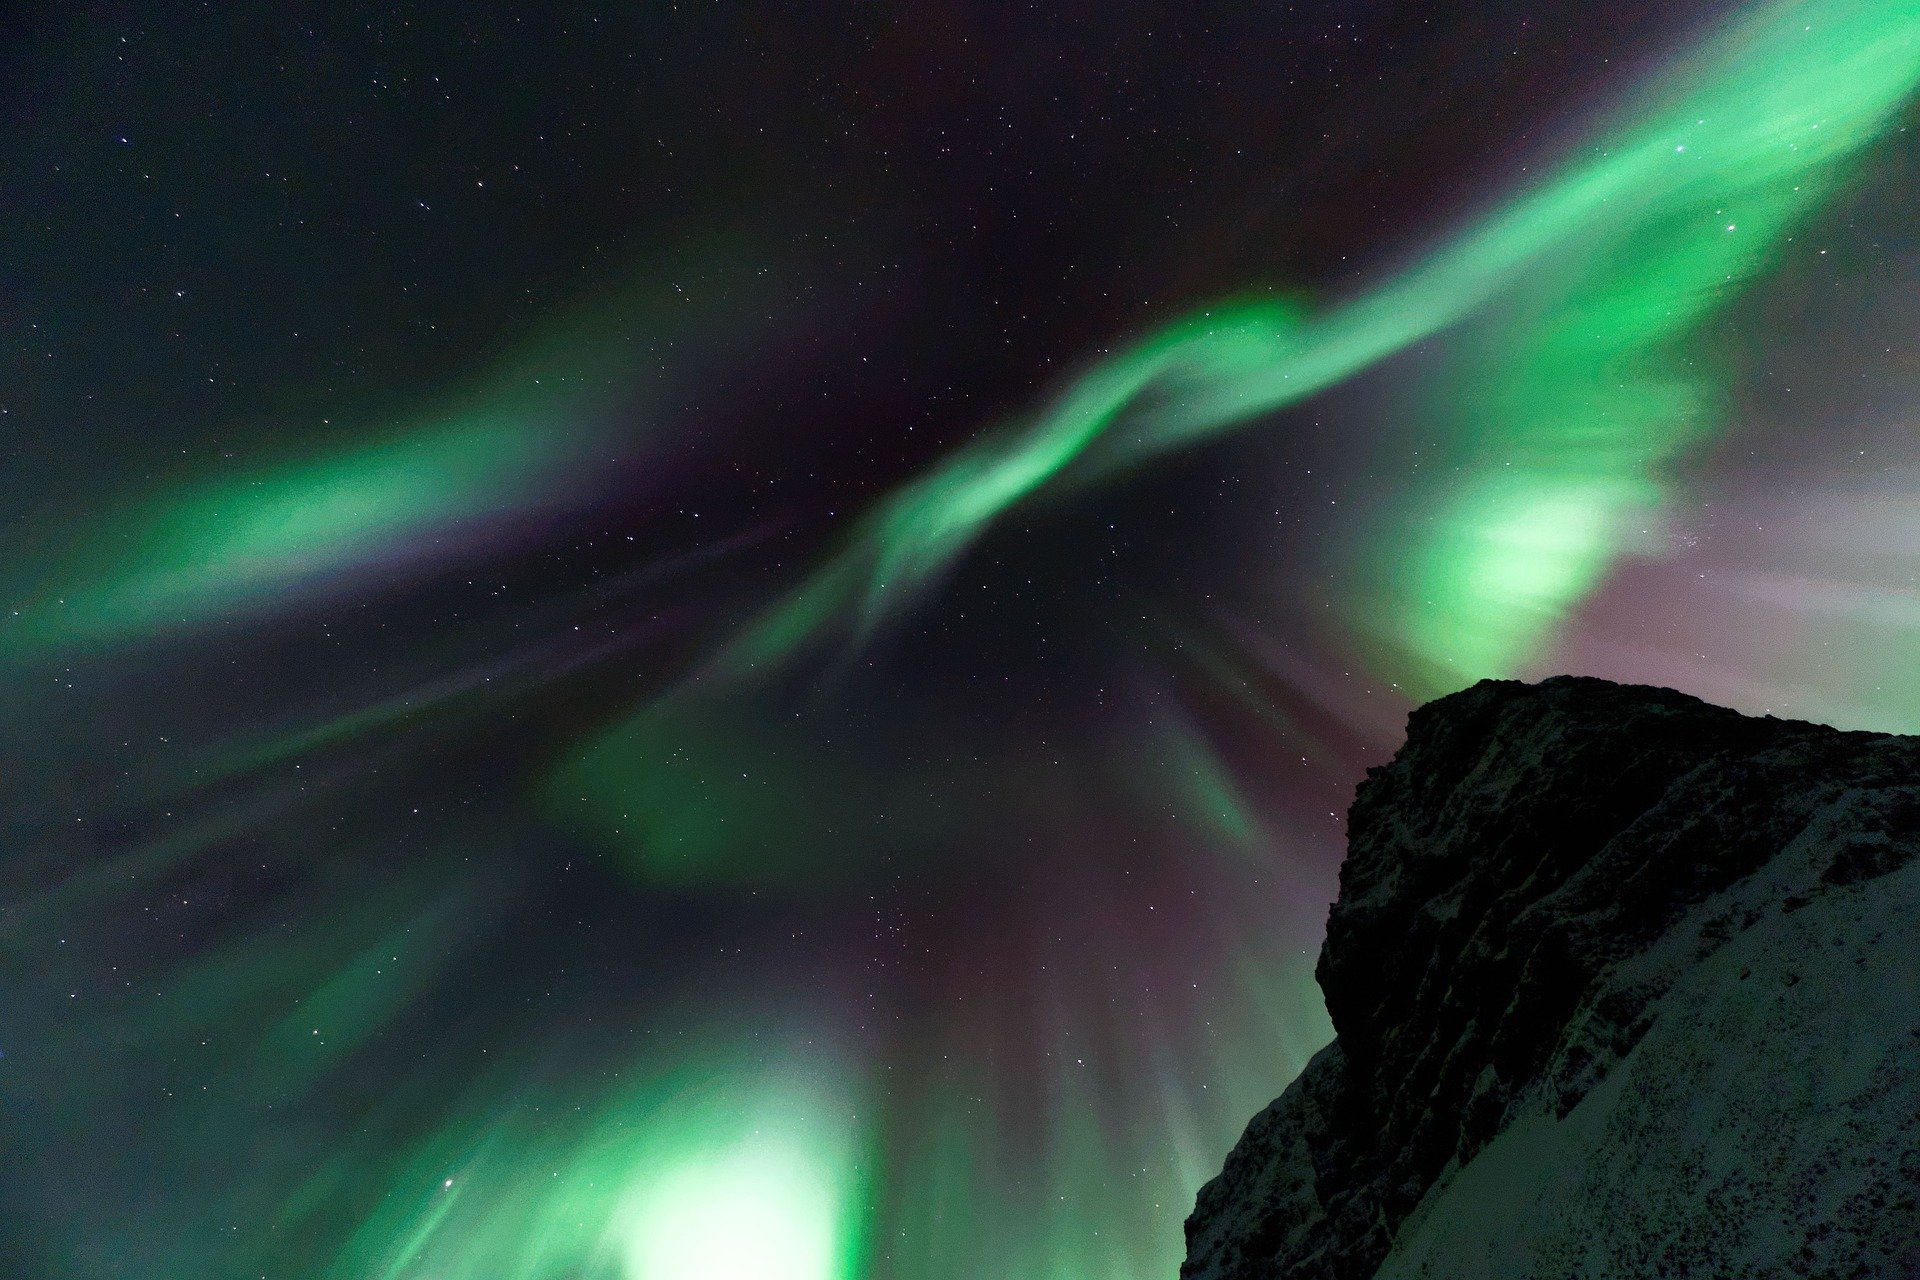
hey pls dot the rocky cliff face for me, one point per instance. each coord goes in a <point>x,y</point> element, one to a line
<point>1624,985</point>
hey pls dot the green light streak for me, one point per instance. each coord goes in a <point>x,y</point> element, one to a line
<point>923,528</point>
<point>431,484</point>
<point>237,545</point>
<point>251,543</point>
<point>1194,778</point>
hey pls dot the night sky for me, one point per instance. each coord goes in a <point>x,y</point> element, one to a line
<point>729,642</point>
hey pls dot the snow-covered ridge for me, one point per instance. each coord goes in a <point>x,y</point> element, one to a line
<point>1624,985</point>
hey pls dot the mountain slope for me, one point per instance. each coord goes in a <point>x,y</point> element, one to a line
<point>1624,984</point>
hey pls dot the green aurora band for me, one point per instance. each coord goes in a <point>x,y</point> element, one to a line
<point>757,1155</point>
<point>1575,303</point>
<point>1576,390</point>
<point>250,544</point>
<point>433,487</point>
<point>1584,291</point>
<point>1604,269</point>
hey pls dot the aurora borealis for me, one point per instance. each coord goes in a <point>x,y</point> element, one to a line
<point>645,644</point>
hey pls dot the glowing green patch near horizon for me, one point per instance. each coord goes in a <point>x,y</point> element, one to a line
<point>746,1211</point>
<point>1684,202</point>
<point>716,1172</point>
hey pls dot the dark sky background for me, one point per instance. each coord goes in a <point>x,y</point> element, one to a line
<point>429,853</point>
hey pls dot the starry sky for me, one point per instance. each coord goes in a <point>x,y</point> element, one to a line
<point>656,642</point>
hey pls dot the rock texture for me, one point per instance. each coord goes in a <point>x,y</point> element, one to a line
<point>1624,985</point>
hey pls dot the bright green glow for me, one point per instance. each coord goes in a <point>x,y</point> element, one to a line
<point>1496,569</point>
<point>758,1210</point>
<point>717,1171</point>
<point>1607,266</point>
